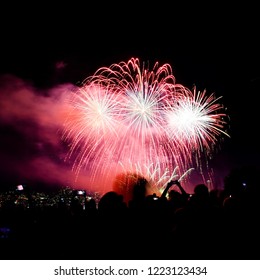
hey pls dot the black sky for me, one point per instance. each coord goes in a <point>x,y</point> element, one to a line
<point>213,47</point>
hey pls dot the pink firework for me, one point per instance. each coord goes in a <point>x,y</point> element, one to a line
<point>126,115</point>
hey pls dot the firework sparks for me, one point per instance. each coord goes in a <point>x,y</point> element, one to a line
<point>126,115</point>
<point>157,177</point>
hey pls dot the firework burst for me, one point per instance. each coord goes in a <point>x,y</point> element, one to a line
<point>126,115</point>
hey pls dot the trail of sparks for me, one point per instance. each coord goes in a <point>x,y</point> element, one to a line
<point>125,116</point>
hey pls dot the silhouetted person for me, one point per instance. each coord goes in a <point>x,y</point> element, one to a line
<point>138,195</point>
<point>111,225</point>
<point>180,198</point>
<point>204,221</point>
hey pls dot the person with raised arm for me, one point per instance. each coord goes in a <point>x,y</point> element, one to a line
<point>177,183</point>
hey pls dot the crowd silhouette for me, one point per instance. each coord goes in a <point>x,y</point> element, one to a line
<point>205,224</point>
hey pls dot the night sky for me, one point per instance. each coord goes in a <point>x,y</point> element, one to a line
<point>45,50</point>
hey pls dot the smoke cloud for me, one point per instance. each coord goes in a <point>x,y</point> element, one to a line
<point>31,125</point>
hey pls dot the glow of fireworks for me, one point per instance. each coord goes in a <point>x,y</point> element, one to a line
<point>126,115</point>
<point>156,177</point>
